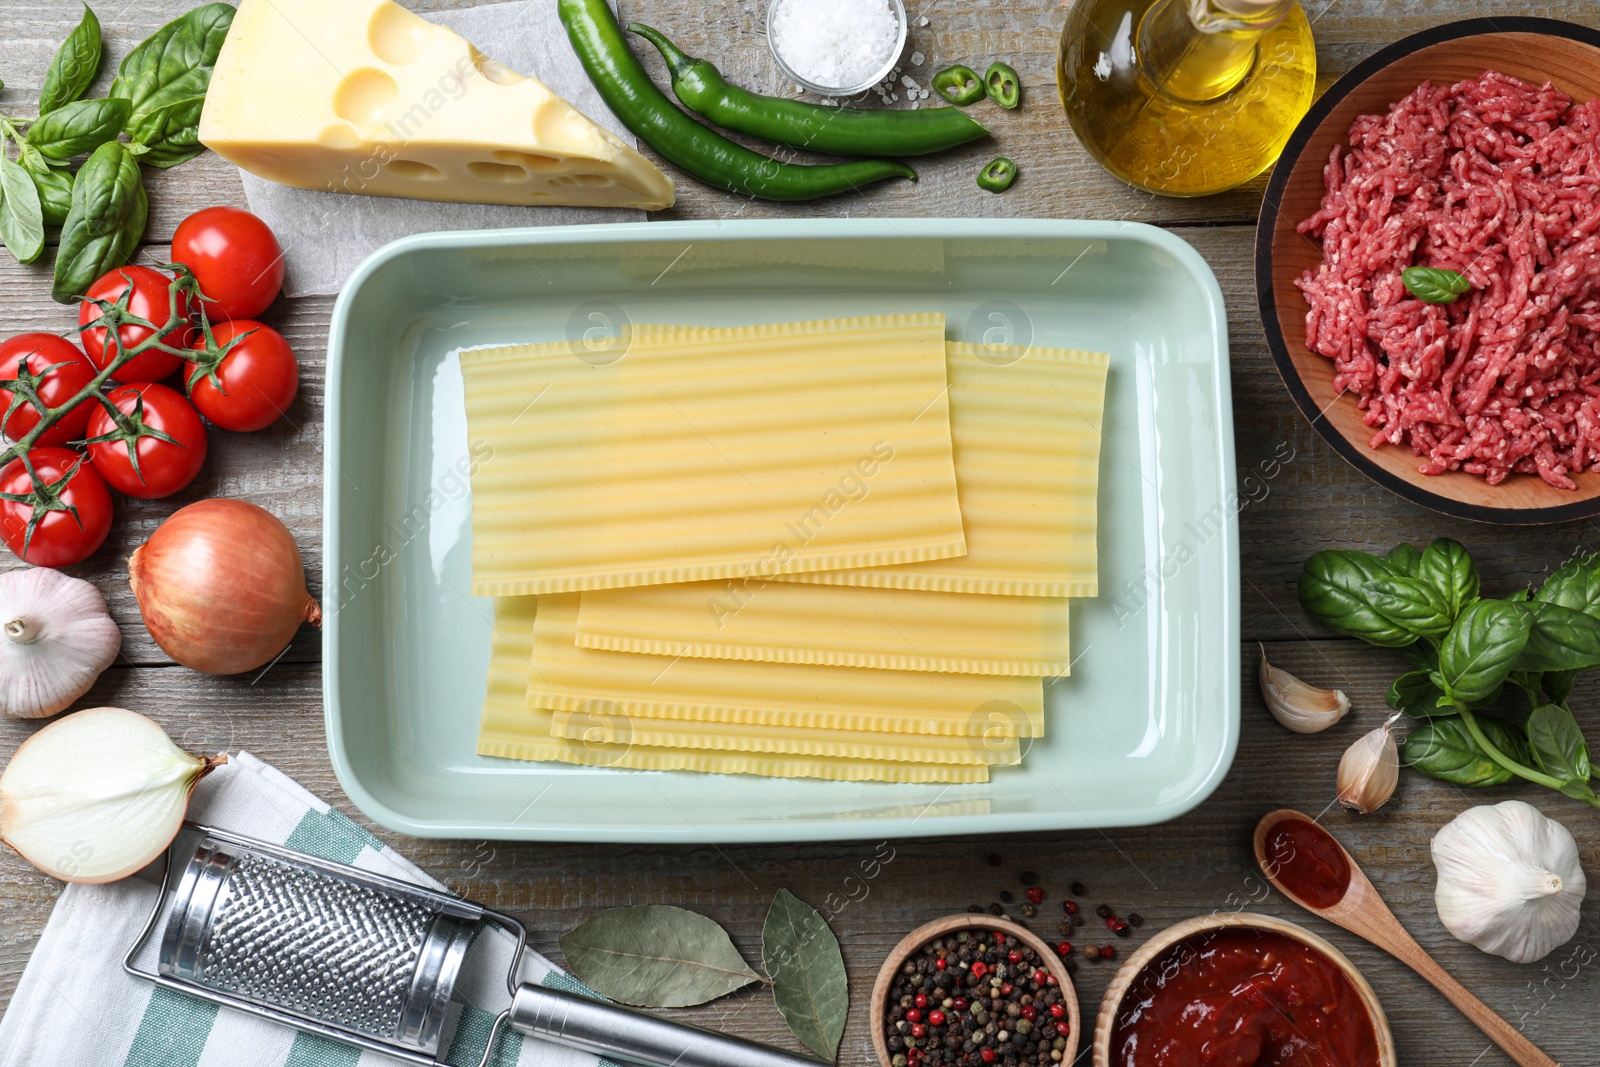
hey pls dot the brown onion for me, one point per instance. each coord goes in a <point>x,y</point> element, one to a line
<point>221,586</point>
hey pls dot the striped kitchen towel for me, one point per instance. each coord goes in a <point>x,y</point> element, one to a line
<point>76,1007</point>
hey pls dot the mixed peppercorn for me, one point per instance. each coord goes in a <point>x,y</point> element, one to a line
<point>1070,921</point>
<point>972,998</point>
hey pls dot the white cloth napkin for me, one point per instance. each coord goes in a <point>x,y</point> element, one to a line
<point>76,1007</point>
<point>325,236</point>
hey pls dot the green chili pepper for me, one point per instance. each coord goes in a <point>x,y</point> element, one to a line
<point>997,175</point>
<point>959,85</point>
<point>630,94</point>
<point>1001,83</point>
<point>842,130</point>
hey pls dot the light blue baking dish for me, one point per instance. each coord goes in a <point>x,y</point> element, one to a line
<point>1143,730</point>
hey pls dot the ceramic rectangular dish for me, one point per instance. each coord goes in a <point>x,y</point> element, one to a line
<point>1142,731</point>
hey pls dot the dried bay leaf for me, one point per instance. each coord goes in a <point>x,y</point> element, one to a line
<point>655,956</point>
<point>802,957</point>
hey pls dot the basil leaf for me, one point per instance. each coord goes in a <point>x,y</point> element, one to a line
<point>75,65</point>
<point>1448,567</point>
<point>1434,285</point>
<point>1561,639</point>
<point>1575,585</point>
<point>802,958</point>
<point>655,956</point>
<point>1404,559</point>
<point>1557,685</point>
<point>172,65</point>
<point>1415,694</point>
<point>1443,749</point>
<point>21,216</point>
<point>1481,649</point>
<point>1410,604</point>
<point>102,231</point>
<point>54,186</point>
<point>1558,746</point>
<point>79,127</point>
<point>169,135</point>
<point>1333,590</point>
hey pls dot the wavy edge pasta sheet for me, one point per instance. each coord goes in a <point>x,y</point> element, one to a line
<point>711,453</point>
<point>848,626</point>
<point>511,730</point>
<point>568,678</point>
<point>1027,426</point>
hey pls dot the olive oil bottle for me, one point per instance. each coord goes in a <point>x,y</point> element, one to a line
<point>1186,97</point>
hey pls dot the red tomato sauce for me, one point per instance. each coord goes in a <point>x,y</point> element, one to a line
<point>1308,862</point>
<point>1242,998</point>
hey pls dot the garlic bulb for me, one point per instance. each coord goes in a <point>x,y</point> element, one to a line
<point>1369,770</point>
<point>96,795</point>
<point>57,638</point>
<point>1303,708</point>
<point>1509,880</point>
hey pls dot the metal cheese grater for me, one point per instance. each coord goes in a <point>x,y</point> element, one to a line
<point>372,961</point>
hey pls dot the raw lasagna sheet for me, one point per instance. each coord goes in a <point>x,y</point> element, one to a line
<point>785,622</point>
<point>1027,424</point>
<point>510,729</point>
<point>568,678</point>
<point>700,454</point>
<point>601,727</point>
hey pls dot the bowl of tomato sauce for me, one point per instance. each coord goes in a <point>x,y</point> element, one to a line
<point>1240,990</point>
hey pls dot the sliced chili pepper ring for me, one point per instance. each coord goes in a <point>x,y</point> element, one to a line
<point>959,84</point>
<point>997,175</point>
<point>1002,85</point>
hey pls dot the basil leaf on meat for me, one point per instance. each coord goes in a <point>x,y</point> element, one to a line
<point>1434,285</point>
<point>75,65</point>
<point>107,219</point>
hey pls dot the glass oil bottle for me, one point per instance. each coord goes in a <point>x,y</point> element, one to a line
<point>1186,97</point>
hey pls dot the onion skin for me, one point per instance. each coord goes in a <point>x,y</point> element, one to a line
<point>221,586</point>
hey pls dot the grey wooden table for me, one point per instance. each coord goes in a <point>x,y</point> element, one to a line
<point>1193,865</point>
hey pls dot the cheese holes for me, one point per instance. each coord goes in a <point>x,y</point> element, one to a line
<point>365,96</point>
<point>410,168</point>
<point>496,172</point>
<point>494,71</point>
<point>527,160</point>
<point>397,36</point>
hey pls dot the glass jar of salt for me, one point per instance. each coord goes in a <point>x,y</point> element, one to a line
<point>836,47</point>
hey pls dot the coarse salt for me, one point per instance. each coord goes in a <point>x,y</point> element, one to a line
<point>834,43</point>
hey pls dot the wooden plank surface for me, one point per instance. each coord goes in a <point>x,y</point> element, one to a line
<point>1194,865</point>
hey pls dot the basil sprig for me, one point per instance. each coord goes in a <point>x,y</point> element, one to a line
<point>1434,285</point>
<point>1467,650</point>
<point>79,127</point>
<point>164,81</point>
<point>75,65</point>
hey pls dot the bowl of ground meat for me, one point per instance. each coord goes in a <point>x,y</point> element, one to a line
<point>1428,269</point>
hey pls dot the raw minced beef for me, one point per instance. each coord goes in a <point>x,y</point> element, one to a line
<point>1498,180</point>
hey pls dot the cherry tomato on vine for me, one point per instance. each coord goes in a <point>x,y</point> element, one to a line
<point>252,385</point>
<point>234,257</point>
<point>151,302</point>
<point>61,520</point>
<point>154,447</point>
<point>58,371</point>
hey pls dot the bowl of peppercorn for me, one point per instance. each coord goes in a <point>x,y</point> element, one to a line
<point>974,990</point>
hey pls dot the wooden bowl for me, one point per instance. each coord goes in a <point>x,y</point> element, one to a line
<point>1112,1002</point>
<point>1533,49</point>
<point>970,921</point>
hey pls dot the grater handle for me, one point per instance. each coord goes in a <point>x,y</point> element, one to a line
<point>612,1030</point>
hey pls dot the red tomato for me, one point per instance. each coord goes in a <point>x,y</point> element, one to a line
<point>70,519</point>
<point>35,354</point>
<point>151,303</point>
<point>234,257</point>
<point>164,466</point>
<point>259,377</point>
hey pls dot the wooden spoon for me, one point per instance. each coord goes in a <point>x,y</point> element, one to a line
<point>1361,911</point>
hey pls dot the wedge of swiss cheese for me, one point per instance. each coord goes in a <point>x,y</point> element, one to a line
<point>362,96</point>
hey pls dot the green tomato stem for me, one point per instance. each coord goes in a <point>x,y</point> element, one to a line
<point>1489,749</point>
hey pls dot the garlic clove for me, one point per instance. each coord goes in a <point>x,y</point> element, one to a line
<point>1369,770</point>
<point>97,795</point>
<point>56,637</point>
<point>1303,708</point>
<point>1510,880</point>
